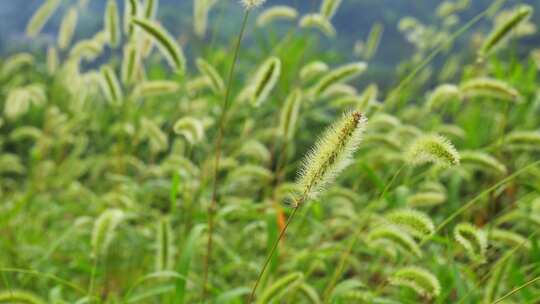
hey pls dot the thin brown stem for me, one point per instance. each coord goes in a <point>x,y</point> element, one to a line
<point>516,290</point>
<point>339,269</point>
<point>272,251</point>
<point>219,142</point>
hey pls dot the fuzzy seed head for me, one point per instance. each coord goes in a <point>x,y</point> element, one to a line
<point>265,80</point>
<point>251,4</point>
<point>396,237</point>
<point>472,239</point>
<point>332,153</point>
<point>433,148</point>
<point>104,231</point>
<point>415,222</point>
<point>278,12</point>
<point>419,279</point>
<point>319,22</point>
<point>508,238</point>
<point>483,161</point>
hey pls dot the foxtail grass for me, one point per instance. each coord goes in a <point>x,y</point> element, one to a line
<point>331,154</point>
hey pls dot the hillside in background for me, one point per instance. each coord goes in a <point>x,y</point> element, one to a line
<point>353,22</point>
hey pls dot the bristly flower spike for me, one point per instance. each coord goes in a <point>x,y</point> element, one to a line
<point>433,148</point>
<point>251,4</point>
<point>332,153</point>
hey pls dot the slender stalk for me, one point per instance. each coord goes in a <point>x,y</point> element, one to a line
<point>516,290</point>
<point>272,251</point>
<point>92,279</point>
<point>339,269</point>
<point>219,141</point>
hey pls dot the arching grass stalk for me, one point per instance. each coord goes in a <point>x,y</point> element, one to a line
<point>92,278</point>
<point>273,250</point>
<point>218,147</point>
<point>513,291</point>
<point>331,155</point>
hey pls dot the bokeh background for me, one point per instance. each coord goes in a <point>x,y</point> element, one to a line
<point>353,23</point>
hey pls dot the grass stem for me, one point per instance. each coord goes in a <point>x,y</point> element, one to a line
<point>219,142</point>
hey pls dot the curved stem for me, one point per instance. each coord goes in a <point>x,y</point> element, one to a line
<point>219,141</point>
<point>93,278</point>
<point>271,253</point>
<point>516,290</point>
<point>339,269</point>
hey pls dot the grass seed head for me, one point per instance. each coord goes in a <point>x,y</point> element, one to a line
<point>432,148</point>
<point>332,153</point>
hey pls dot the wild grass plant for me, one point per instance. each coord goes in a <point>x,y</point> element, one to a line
<point>140,167</point>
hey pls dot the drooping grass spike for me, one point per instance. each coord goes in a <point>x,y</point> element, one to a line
<point>200,16</point>
<point>420,280</point>
<point>152,88</point>
<point>190,128</point>
<point>442,95</point>
<point>417,223</point>
<point>112,23</point>
<point>483,161</point>
<point>472,239</point>
<point>490,88</point>
<point>67,28</point>
<point>318,22</point>
<point>312,70</point>
<point>338,75</point>
<point>132,10</point>
<point>41,17</point>
<point>397,237</point>
<point>165,42</point>
<point>504,30</point>
<point>52,60</point>
<point>218,85</point>
<point>150,9</point>
<point>277,12</point>
<point>164,245</point>
<point>373,40</point>
<point>265,80</point>
<point>251,4</point>
<point>104,231</point>
<point>131,62</point>
<point>432,148</point>
<point>289,114</point>
<point>111,86</point>
<point>426,199</point>
<point>329,8</point>
<point>331,154</point>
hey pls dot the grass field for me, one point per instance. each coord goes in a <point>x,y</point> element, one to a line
<point>138,167</point>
